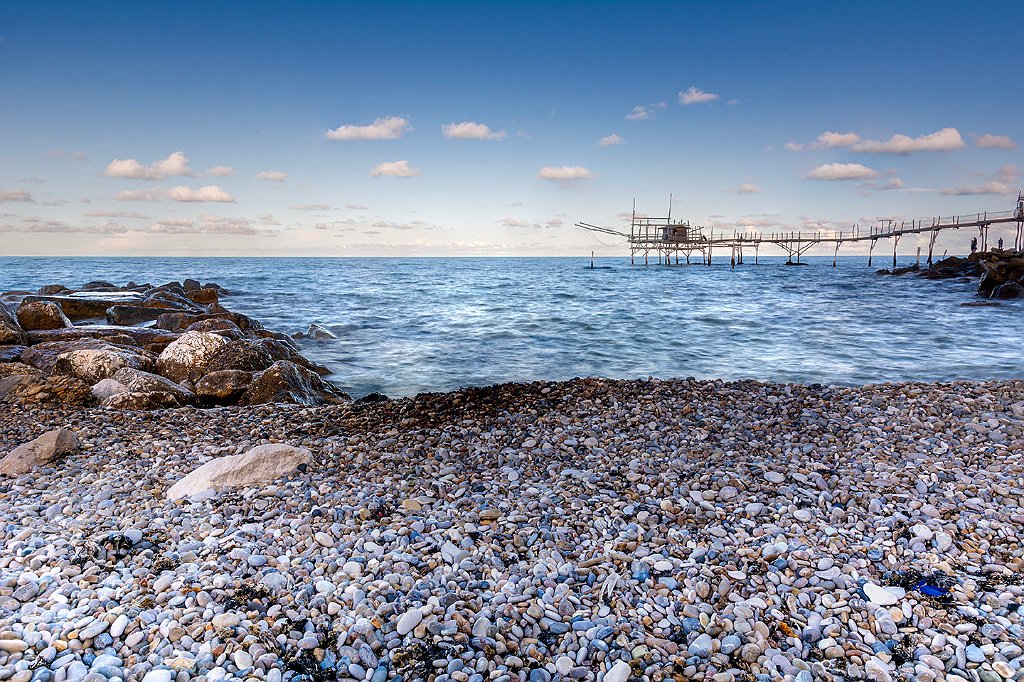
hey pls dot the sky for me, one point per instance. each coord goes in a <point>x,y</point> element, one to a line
<point>484,128</point>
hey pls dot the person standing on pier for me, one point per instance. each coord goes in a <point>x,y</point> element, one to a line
<point>1000,244</point>
<point>974,244</point>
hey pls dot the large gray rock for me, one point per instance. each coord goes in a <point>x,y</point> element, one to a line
<point>141,400</point>
<point>42,315</point>
<point>10,330</point>
<point>186,358</point>
<point>43,450</point>
<point>93,365</point>
<point>129,315</point>
<point>105,388</point>
<point>286,382</point>
<point>145,382</point>
<point>11,353</point>
<point>260,465</point>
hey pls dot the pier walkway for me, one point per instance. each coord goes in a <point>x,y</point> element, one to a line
<point>665,239</point>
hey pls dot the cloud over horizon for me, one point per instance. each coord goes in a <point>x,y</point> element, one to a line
<point>841,171</point>
<point>565,176</point>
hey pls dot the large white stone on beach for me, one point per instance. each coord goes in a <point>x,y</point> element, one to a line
<point>260,465</point>
<point>408,621</point>
<point>47,448</point>
<point>618,673</point>
<point>882,596</point>
<point>95,364</point>
<point>187,357</point>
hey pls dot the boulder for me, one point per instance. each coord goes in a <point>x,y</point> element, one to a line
<point>43,356</point>
<point>125,336</point>
<point>202,296</point>
<point>11,353</point>
<point>105,388</point>
<point>281,350</point>
<point>242,354</point>
<point>51,289</point>
<point>43,450</point>
<point>42,315</point>
<point>174,321</point>
<point>138,400</point>
<point>217,325</point>
<point>95,364</point>
<point>10,330</point>
<point>144,382</point>
<point>186,358</point>
<point>225,386</point>
<point>1007,290</point>
<point>99,285</point>
<point>191,285</point>
<point>85,305</point>
<point>129,315</point>
<point>9,368</point>
<point>28,389</point>
<point>315,332</point>
<point>287,382</point>
<point>260,465</point>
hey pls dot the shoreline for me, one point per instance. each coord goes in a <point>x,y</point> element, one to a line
<point>590,530</point>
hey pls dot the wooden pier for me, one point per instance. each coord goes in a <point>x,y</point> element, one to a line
<point>664,239</point>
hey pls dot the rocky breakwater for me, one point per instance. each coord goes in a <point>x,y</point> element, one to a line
<point>146,347</point>
<point>590,531</point>
<point>1000,274</point>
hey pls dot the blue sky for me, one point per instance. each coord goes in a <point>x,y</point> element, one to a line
<point>187,128</point>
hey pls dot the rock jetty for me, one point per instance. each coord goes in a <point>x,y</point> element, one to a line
<point>591,530</point>
<point>147,347</point>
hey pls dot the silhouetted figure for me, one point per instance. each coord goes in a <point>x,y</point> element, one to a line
<point>974,244</point>
<point>1000,243</point>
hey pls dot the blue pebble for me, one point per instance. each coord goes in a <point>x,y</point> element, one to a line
<point>691,625</point>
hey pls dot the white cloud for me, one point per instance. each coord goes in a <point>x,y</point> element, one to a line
<point>827,140</point>
<point>747,188</point>
<point>993,187</point>
<point>221,171</point>
<point>117,214</point>
<point>995,142</point>
<point>611,140</point>
<point>841,171</point>
<point>1008,173</point>
<point>468,130</point>
<point>139,195</point>
<point>694,95</point>
<point>273,176</point>
<point>639,113</point>
<point>61,227</point>
<point>174,165</point>
<point>893,183</point>
<point>356,207</point>
<point>16,195</point>
<point>390,128</point>
<point>944,140</point>
<point>207,193</point>
<point>311,207</point>
<point>644,112</point>
<point>395,169</point>
<point>564,175</point>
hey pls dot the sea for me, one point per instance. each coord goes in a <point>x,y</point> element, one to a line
<point>411,325</point>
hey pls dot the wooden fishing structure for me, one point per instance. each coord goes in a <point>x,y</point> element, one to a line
<point>665,239</point>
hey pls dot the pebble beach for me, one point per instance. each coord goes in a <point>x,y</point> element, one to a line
<point>583,530</point>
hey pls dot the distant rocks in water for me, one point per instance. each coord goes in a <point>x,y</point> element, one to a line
<point>1000,273</point>
<point>43,450</point>
<point>148,347</point>
<point>260,465</point>
<point>316,332</point>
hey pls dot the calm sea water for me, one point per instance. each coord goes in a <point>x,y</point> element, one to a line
<point>430,324</point>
